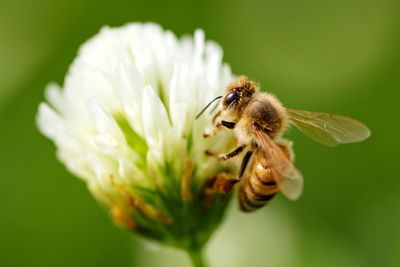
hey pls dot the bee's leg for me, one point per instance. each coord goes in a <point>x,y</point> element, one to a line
<point>216,116</point>
<point>227,156</point>
<point>228,124</point>
<point>218,126</point>
<point>213,131</point>
<point>223,183</point>
<point>244,164</point>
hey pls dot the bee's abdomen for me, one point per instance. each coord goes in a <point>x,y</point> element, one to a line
<point>258,188</point>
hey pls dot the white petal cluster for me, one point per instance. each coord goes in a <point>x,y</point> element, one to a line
<point>128,104</point>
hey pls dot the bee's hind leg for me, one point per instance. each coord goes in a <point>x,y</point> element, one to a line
<point>220,185</point>
<point>224,182</point>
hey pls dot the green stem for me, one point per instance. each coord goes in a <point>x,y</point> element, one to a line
<point>196,256</point>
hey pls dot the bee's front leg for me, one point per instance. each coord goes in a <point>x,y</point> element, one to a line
<point>218,126</point>
<point>216,116</point>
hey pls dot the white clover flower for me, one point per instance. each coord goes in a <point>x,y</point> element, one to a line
<point>124,122</point>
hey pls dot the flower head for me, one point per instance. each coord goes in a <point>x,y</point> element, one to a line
<point>124,122</point>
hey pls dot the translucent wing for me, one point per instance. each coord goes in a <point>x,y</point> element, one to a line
<point>328,129</point>
<point>288,178</point>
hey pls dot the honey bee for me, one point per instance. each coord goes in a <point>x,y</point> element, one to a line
<point>259,120</point>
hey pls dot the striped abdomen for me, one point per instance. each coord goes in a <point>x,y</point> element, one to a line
<point>258,186</point>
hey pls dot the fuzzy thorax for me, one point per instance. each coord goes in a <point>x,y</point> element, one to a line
<point>252,107</point>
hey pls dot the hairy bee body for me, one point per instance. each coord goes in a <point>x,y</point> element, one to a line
<point>259,184</point>
<point>268,112</point>
<point>258,120</point>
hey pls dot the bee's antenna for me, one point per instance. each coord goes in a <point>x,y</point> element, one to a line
<point>214,107</point>
<point>204,109</point>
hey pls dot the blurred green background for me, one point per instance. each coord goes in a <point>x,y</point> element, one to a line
<point>334,56</point>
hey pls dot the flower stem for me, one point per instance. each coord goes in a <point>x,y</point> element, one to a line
<point>196,256</point>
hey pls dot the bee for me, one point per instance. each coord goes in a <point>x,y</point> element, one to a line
<point>259,120</point>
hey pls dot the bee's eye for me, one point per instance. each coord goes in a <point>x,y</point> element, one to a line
<point>231,98</point>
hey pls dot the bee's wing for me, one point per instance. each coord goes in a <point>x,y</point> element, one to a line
<point>288,178</point>
<point>328,129</point>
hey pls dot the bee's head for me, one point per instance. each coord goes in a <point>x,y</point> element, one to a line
<point>238,94</point>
